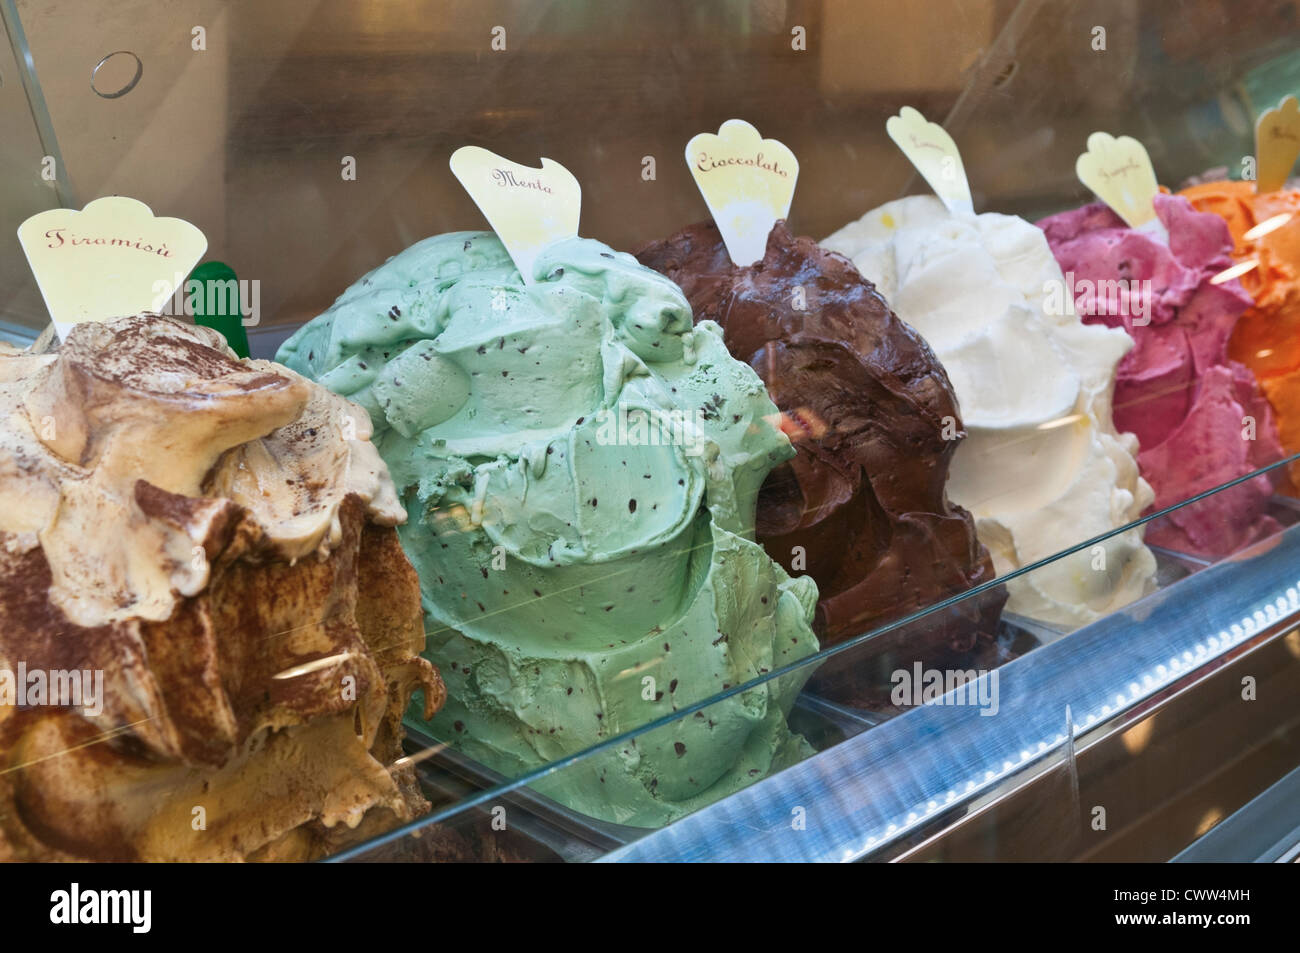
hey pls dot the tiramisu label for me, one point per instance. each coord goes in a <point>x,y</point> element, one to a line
<point>529,209</point>
<point>747,182</point>
<point>1120,173</point>
<point>108,260</point>
<point>1277,143</point>
<point>928,146</point>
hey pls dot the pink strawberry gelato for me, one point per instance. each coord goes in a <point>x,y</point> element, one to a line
<point>1200,418</point>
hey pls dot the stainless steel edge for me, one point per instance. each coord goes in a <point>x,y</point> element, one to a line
<point>1267,830</point>
<point>891,783</point>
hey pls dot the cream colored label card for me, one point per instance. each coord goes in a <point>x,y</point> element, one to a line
<point>528,208</point>
<point>928,146</point>
<point>1120,173</point>
<point>1277,143</point>
<point>747,182</point>
<point>112,259</point>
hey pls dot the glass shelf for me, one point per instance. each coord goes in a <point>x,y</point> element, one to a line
<point>880,783</point>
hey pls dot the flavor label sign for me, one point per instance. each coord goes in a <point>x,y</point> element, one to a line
<point>528,208</point>
<point>928,146</point>
<point>1120,173</point>
<point>112,259</point>
<point>747,182</point>
<point>1277,143</point>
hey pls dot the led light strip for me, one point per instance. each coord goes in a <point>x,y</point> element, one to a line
<point>1152,681</point>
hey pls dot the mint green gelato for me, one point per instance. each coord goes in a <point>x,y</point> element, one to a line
<point>580,467</point>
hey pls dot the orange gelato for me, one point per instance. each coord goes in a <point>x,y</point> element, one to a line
<point>1266,230</point>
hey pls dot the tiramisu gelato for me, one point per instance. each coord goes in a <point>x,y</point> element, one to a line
<point>208,631</point>
<point>1043,467</point>
<point>871,412</point>
<point>1199,417</point>
<point>581,467</point>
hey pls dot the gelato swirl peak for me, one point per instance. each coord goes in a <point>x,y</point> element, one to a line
<point>129,414</point>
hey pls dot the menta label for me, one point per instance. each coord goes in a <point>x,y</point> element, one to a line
<point>528,208</point>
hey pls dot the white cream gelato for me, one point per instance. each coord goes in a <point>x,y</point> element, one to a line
<point>1042,467</point>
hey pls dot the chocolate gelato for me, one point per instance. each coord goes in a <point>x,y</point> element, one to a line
<point>871,412</point>
<point>208,630</point>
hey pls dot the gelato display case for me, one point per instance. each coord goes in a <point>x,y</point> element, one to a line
<point>779,430</point>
